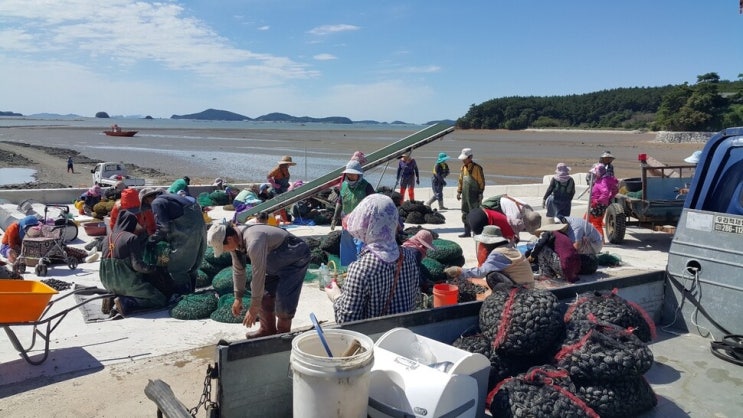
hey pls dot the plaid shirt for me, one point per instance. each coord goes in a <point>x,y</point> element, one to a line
<point>368,284</point>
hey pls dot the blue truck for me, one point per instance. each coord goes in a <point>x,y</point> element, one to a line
<point>704,290</point>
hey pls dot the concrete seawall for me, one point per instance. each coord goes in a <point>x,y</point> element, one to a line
<point>57,196</point>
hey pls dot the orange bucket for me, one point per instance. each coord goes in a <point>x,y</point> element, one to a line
<point>445,294</point>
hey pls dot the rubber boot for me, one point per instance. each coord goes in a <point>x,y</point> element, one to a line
<point>431,200</point>
<point>467,231</point>
<point>283,325</point>
<point>266,317</point>
<point>441,205</point>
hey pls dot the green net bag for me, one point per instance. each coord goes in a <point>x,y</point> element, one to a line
<point>219,197</point>
<point>220,262</point>
<point>222,281</point>
<point>446,252</point>
<point>202,280</point>
<point>158,255</point>
<point>195,306</point>
<point>204,199</point>
<point>223,313</point>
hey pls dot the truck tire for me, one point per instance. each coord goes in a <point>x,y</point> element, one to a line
<point>616,223</point>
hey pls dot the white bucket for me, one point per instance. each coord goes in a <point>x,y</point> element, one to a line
<point>326,387</point>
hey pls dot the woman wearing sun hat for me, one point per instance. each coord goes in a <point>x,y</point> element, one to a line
<point>555,254</point>
<point>440,171</point>
<point>559,195</point>
<point>511,266</point>
<point>279,176</point>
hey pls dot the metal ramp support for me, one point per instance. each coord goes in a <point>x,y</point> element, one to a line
<point>376,158</point>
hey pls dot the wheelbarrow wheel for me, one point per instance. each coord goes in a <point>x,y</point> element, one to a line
<point>20,267</point>
<point>616,223</point>
<point>72,263</point>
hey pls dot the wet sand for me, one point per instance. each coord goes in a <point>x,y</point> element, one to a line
<point>239,155</point>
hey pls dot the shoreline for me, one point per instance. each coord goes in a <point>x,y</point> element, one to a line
<point>244,156</point>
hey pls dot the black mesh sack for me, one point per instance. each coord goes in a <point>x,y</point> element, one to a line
<point>318,256</point>
<point>541,392</point>
<point>522,322</point>
<point>332,242</point>
<point>415,218</point>
<point>618,398</point>
<point>410,206</point>
<point>600,351</point>
<point>434,218</point>
<point>612,308</point>
<point>468,291</point>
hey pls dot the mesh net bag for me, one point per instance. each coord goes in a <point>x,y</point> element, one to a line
<point>195,306</point>
<point>542,392</point>
<point>432,270</point>
<point>220,262</point>
<point>202,280</point>
<point>468,291</point>
<point>612,308</point>
<point>204,200</point>
<point>159,255</point>
<point>222,281</point>
<point>522,322</point>
<point>317,257</point>
<point>219,197</point>
<point>331,243</point>
<point>618,398</point>
<point>446,251</point>
<point>210,269</point>
<point>600,351</point>
<point>415,218</point>
<point>223,313</point>
<point>435,218</point>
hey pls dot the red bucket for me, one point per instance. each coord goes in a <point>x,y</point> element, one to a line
<point>445,294</point>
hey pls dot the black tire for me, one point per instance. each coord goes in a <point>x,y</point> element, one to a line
<point>21,268</point>
<point>69,233</point>
<point>616,223</point>
<point>41,270</point>
<point>72,263</point>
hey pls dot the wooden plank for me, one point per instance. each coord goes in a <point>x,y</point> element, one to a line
<point>163,396</point>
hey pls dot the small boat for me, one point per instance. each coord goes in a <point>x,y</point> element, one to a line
<point>120,133</point>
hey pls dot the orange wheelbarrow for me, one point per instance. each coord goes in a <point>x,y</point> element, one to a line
<point>27,303</point>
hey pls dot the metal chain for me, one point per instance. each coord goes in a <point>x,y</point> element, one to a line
<point>206,395</point>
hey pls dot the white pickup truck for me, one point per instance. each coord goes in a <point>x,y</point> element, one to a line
<point>108,173</point>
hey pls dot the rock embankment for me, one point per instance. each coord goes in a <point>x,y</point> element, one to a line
<point>669,137</point>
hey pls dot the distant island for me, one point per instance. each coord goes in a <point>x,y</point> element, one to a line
<point>224,115</point>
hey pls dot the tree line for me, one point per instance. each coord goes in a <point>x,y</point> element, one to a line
<point>710,104</point>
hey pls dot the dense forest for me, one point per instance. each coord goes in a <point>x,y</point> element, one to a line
<point>709,105</point>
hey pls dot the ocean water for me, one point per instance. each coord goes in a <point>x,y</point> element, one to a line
<point>247,151</point>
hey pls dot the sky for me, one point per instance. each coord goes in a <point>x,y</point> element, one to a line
<point>384,60</point>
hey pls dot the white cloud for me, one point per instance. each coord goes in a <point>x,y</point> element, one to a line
<point>265,27</point>
<point>324,57</point>
<point>330,29</point>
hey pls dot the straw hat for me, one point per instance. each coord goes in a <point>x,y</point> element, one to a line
<point>286,160</point>
<point>532,221</point>
<point>491,234</point>
<point>466,153</point>
<point>404,155</point>
<point>552,227</point>
<point>607,154</point>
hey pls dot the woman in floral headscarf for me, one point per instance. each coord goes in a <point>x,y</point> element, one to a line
<point>384,278</point>
<point>559,195</point>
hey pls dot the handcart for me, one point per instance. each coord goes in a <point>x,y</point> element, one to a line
<point>45,249</point>
<point>69,227</point>
<point>655,198</point>
<point>27,303</point>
